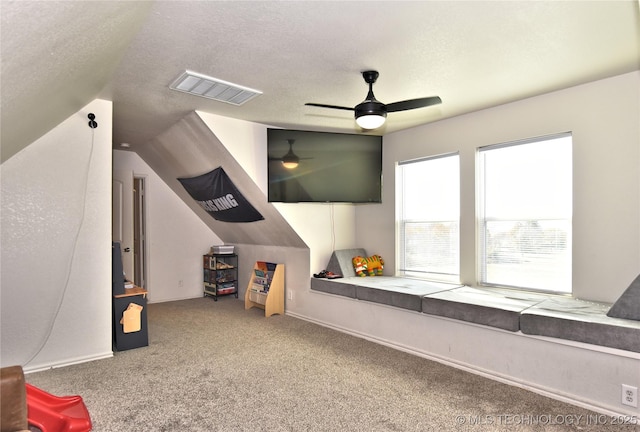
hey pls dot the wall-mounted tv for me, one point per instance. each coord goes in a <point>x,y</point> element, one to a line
<point>331,167</point>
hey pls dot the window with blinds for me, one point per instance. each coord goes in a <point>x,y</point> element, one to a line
<point>429,218</point>
<point>525,214</point>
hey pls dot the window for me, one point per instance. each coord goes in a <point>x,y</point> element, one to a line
<point>429,218</point>
<point>524,214</point>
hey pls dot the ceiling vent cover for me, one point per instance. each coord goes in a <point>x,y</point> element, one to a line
<point>213,88</point>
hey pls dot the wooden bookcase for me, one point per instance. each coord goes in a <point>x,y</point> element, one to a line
<point>266,288</point>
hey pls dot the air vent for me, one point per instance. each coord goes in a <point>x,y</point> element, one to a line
<point>213,88</point>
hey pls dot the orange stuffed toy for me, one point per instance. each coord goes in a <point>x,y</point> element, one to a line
<point>371,266</point>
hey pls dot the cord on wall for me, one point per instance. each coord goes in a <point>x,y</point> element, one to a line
<point>333,229</point>
<point>92,125</point>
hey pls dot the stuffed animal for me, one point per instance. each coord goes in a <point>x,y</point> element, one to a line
<point>371,266</point>
<point>359,265</point>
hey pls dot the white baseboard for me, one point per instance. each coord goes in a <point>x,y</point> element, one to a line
<point>67,362</point>
<point>173,299</point>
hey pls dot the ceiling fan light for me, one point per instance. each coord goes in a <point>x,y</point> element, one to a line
<point>290,164</point>
<point>290,160</point>
<point>371,121</point>
<point>370,114</point>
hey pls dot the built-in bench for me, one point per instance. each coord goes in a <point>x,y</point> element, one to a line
<point>529,313</point>
<point>581,321</point>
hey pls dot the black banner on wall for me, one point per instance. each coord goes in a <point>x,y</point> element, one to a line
<point>217,194</point>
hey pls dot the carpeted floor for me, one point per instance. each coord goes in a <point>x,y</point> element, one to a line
<point>212,366</point>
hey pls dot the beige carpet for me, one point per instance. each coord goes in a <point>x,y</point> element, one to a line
<point>212,366</point>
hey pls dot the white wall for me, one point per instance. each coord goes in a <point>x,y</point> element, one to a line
<point>56,245</point>
<point>604,119</point>
<point>176,237</point>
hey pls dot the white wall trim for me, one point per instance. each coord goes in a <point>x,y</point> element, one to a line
<point>67,362</point>
<point>167,300</point>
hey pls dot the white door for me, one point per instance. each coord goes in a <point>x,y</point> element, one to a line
<point>122,225</point>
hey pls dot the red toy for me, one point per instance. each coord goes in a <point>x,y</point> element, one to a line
<point>51,413</point>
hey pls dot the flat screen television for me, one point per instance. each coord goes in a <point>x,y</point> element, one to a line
<point>331,167</point>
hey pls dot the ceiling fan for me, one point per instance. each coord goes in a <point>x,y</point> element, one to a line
<point>290,160</point>
<point>371,113</point>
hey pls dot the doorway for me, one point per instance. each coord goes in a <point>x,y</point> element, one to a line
<point>129,224</point>
<point>139,232</point>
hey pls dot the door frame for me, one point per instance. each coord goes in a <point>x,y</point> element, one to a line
<point>140,236</point>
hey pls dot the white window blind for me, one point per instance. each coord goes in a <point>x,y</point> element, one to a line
<point>429,218</point>
<point>525,214</point>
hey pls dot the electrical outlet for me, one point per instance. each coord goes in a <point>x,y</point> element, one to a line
<point>290,294</point>
<point>629,395</point>
<point>180,283</point>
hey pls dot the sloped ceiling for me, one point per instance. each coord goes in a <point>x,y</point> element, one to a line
<point>59,55</point>
<point>188,149</point>
<point>56,58</point>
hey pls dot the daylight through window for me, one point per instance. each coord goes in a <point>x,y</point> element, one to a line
<point>429,218</point>
<point>525,214</point>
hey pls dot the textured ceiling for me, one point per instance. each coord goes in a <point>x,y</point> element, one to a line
<point>58,56</point>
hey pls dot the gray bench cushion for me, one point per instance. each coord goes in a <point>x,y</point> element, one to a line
<point>399,292</point>
<point>580,321</point>
<point>340,261</point>
<point>491,307</point>
<point>628,305</point>
<point>334,286</point>
<point>531,313</point>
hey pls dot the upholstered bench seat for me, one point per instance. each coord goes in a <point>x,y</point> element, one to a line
<point>581,321</point>
<point>342,287</point>
<point>516,311</point>
<point>399,292</point>
<point>492,307</point>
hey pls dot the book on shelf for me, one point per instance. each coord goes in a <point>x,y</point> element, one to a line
<point>257,287</point>
<point>263,276</point>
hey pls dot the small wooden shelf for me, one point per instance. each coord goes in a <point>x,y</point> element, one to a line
<point>266,288</point>
<point>129,292</point>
